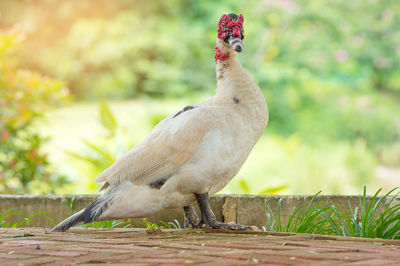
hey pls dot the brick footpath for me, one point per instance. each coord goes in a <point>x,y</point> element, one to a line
<point>34,246</point>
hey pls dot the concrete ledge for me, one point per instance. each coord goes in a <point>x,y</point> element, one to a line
<point>244,209</point>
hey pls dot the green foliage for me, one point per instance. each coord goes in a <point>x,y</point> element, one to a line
<point>165,225</point>
<point>108,224</point>
<point>129,48</point>
<point>303,219</point>
<point>150,225</point>
<point>24,97</point>
<point>100,154</point>
<point>172,225</point>
<point>126,223</point>
<point>331,80</point>
<point>298,167</point>
<point>25,221</point>
<point>69,203</point>
<point>369,222</point>
<point>107,120</point>
<point>244,188</point>
<point>380,218</point>
<point>272,190</point>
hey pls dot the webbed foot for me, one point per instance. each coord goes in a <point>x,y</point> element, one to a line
<point>208,219</point>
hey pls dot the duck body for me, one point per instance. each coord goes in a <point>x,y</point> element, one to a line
<point>229,123</point>
<point>189,155</point>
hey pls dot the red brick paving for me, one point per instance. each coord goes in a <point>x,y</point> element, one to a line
<point>33,246</point>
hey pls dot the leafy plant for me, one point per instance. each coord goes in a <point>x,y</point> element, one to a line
<point>368,220</point>
<point>165,225</point>
<point>24,97</point>
<point>380,218</point>
<point>108,224</point>
<point>150,225</point>
<point>125,223</point>
<point>69,203</point>
<point>100,154</point>
<point>107,119</point>
<point>331,81</point>
<point>303,219</point>
<point>172,225</point>
<point>25,221</point>
<point>244,188</point>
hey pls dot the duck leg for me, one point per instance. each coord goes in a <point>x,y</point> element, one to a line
<point>208,217</point>
<point>192,220</point>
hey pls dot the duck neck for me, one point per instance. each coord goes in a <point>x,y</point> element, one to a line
<point>230,73</point>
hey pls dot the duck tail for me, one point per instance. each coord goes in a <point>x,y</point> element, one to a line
<point>90,214</point>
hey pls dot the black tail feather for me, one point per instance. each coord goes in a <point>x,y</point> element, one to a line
<point>67,223</point>
<point>88,215</point>
<point>84,216</point>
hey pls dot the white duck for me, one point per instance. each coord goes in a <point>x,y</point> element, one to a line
<point>191,154</point>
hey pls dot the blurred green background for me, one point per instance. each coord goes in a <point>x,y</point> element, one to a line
<point>81,82</point>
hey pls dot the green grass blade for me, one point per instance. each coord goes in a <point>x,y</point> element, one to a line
<point>332,223</point>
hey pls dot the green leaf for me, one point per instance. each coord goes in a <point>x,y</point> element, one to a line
<point>103,152</point>
<point>244,186</point>
<point>272,190</point>
<point>107,119</point>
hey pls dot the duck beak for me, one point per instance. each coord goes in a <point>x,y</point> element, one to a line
<point>236,44</point>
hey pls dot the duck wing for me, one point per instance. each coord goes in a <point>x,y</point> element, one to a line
<point>169,145</point>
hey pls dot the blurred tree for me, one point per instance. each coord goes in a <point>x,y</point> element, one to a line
<point>306,55</point>
<point>329,69</point>
<point>24,96</point>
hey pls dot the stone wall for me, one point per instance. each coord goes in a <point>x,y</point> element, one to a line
<point>243,209</point>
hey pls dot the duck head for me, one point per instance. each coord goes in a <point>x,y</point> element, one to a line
<point>230,30</point>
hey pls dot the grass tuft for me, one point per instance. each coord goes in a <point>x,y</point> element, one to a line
<point>304,219</point>
<point>377,219</point>
<point>130,223</point>
<point>26,220</point>
<point>380,218</point>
